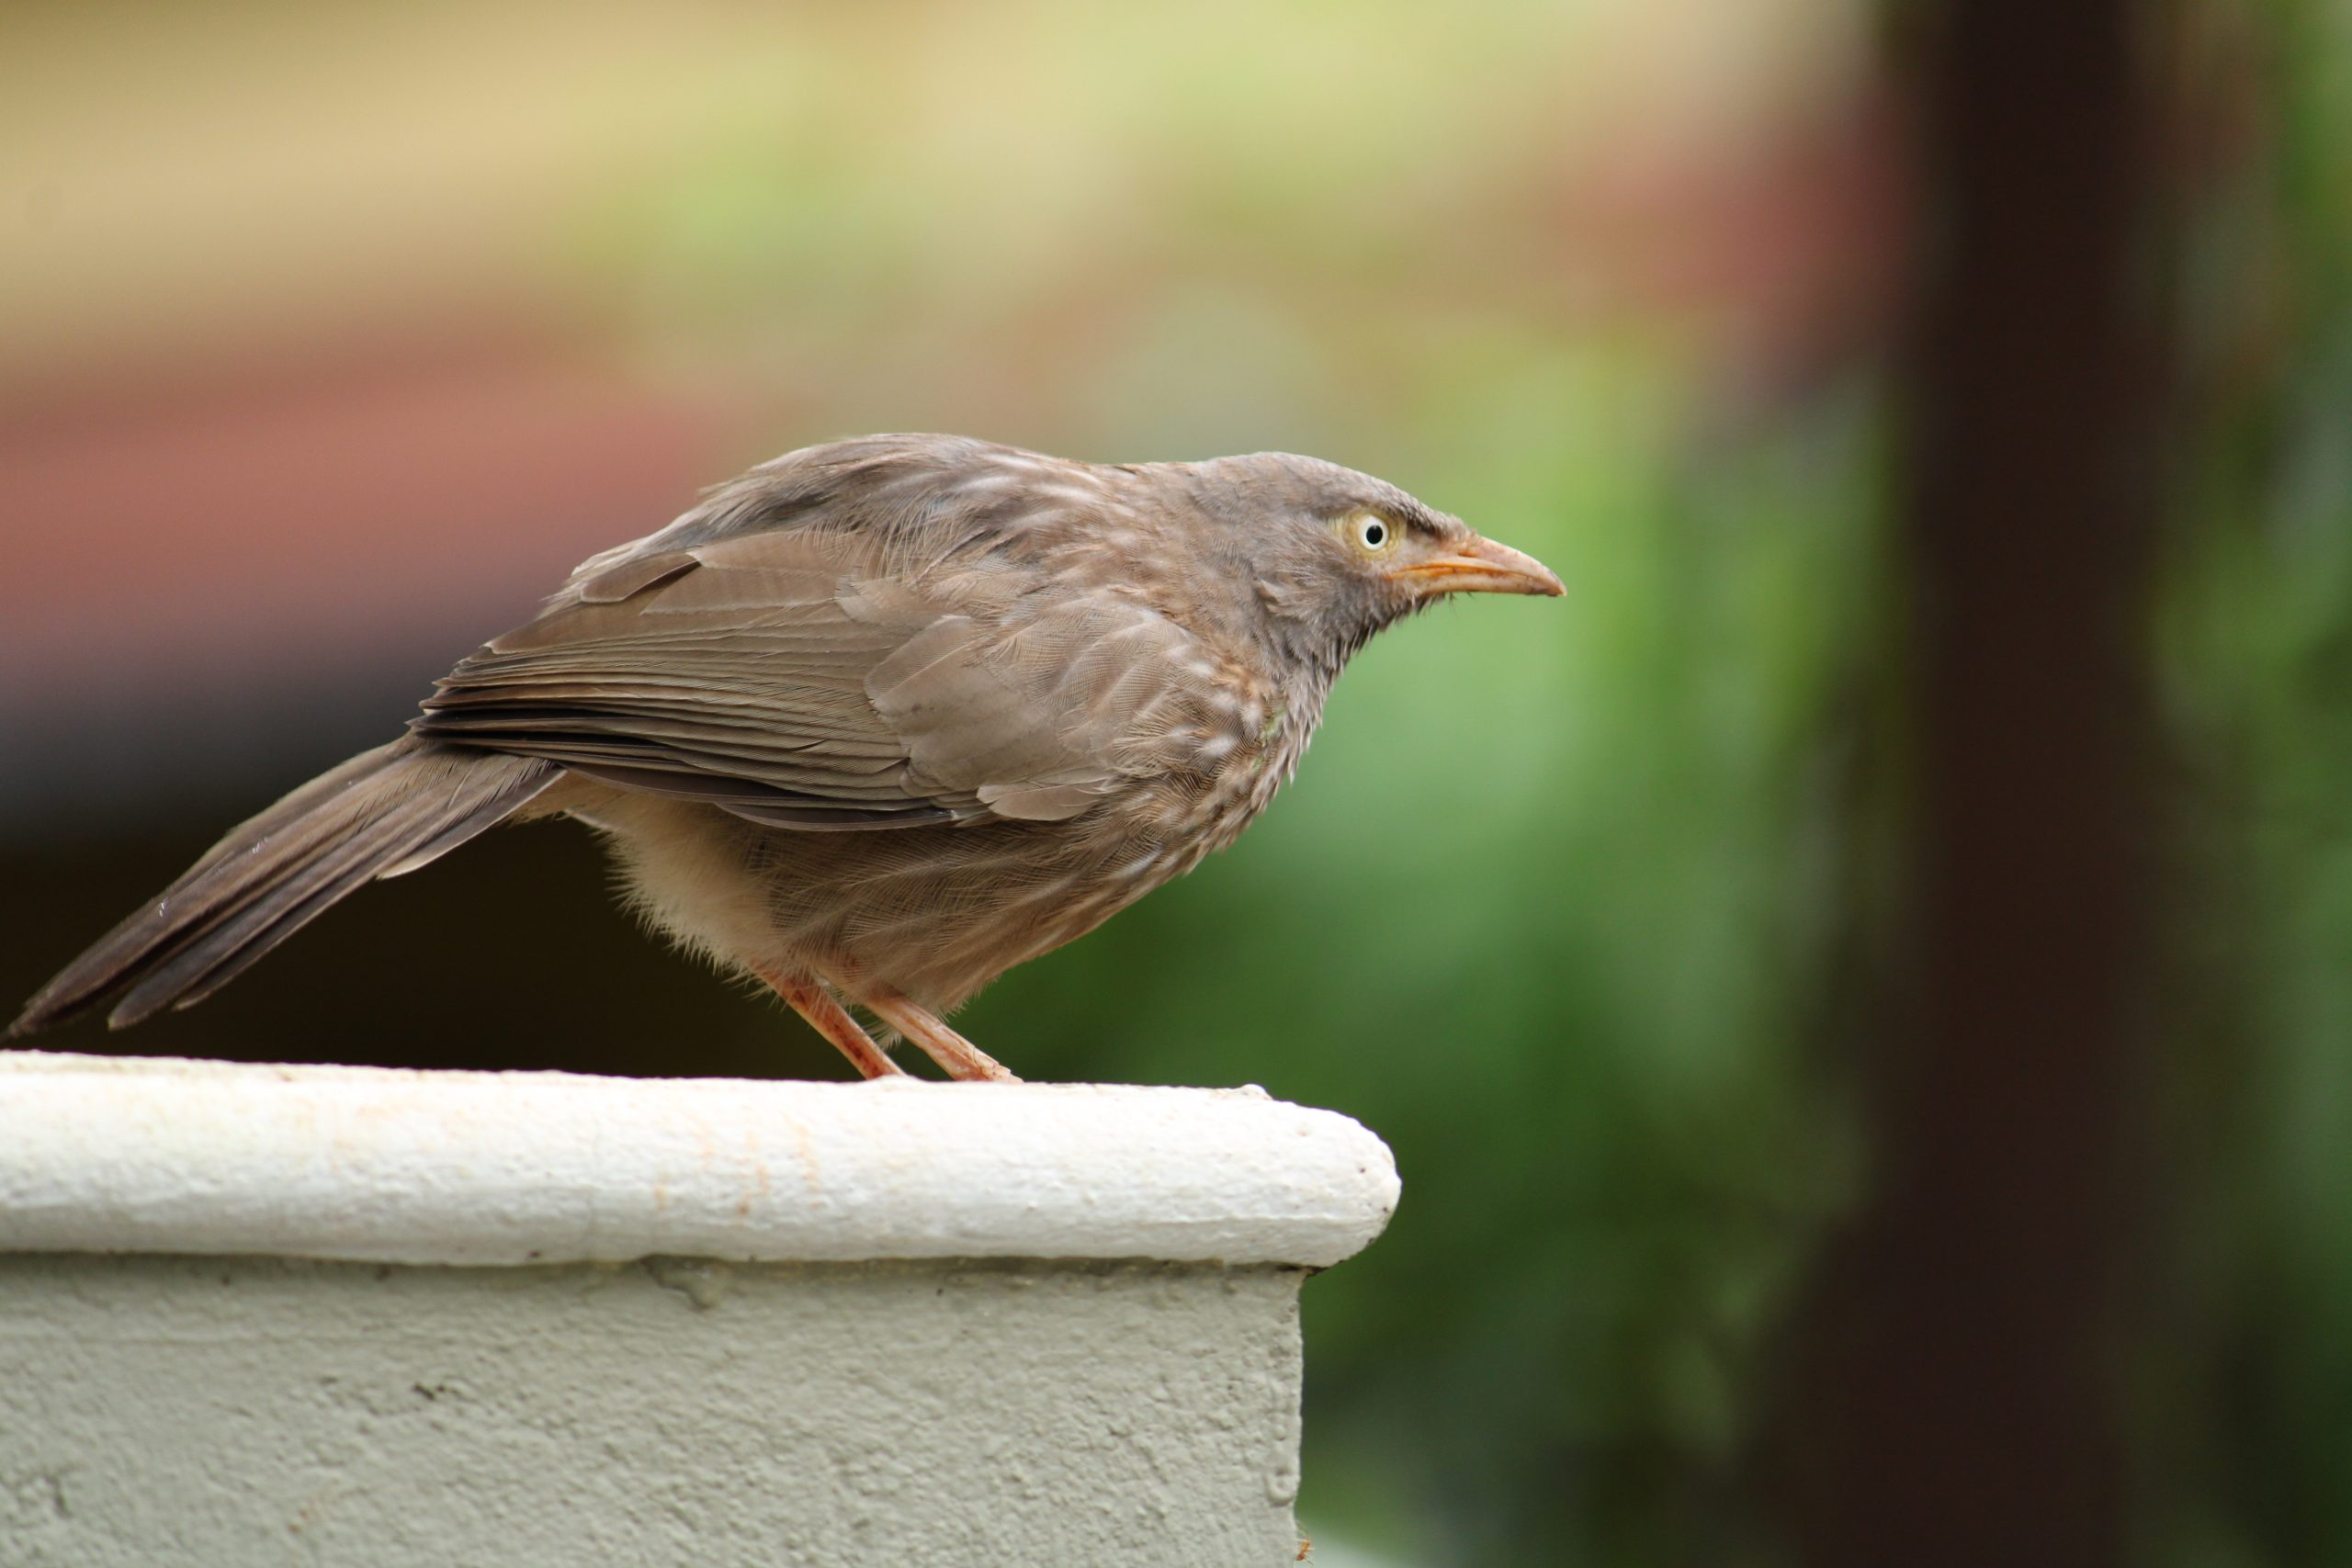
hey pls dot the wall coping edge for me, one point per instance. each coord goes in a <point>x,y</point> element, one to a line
<point>108,1154</point>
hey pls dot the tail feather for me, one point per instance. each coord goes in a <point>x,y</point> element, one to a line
<point>383,812</point>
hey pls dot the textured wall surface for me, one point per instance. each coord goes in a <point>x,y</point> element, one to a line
<point>180,1410</point>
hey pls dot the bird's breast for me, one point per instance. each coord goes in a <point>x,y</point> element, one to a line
<point>1226,802</point>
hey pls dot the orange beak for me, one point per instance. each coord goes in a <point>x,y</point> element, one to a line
<point>1481,566</point>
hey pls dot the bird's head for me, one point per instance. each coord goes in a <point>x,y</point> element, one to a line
<point>1334,555</point>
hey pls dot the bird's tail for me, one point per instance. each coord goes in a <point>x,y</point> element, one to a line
<point>382,813</point>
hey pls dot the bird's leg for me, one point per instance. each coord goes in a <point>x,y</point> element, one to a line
<point>809,999</point>
<point>957,1057</point>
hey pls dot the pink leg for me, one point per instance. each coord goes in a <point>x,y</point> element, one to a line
<point>957,1056</point>
<point>809,999</point>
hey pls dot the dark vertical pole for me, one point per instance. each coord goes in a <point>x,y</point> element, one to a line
<point>1958,1402</point>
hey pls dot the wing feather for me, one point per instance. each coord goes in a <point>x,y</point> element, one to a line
<point>836,672</point>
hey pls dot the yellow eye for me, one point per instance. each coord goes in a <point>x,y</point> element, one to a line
<point>1368,531</point>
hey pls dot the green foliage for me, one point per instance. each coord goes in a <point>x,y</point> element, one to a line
<point>2248,1389</point>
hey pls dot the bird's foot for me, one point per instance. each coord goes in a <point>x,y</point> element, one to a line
<point>956,1056</point>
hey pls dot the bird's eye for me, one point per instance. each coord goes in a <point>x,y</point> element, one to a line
<point>1369,531</point>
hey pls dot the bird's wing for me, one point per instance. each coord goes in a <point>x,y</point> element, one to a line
<point>806,677</point>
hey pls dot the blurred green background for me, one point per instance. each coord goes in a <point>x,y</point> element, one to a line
<point>332,337</point>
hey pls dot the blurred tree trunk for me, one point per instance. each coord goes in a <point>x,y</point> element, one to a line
<point>1953,1395</point>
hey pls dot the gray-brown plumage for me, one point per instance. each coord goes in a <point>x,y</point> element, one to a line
<point>875,722</point>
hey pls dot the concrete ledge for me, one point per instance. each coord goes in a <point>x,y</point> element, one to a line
<point>262,1314</point>
<point>149,1155</point>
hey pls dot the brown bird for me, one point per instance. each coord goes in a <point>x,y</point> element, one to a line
<point>873,722</point>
